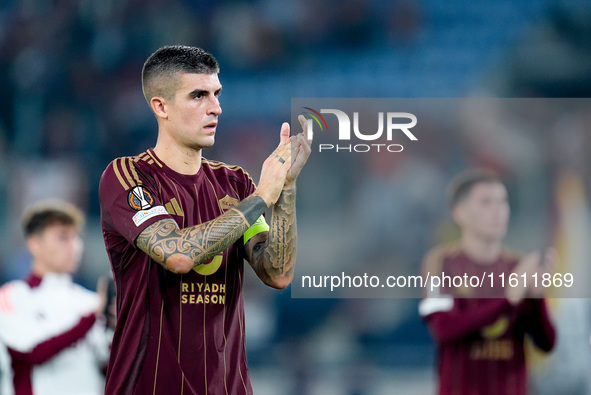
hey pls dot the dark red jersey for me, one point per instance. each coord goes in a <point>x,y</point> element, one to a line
<point>175,334</point>
<point>480,339</point>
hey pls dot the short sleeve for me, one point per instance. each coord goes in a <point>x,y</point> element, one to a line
<point>129,203</point>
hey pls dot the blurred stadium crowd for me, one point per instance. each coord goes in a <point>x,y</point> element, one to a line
<point>71,102</point>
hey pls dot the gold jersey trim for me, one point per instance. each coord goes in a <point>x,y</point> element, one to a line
<point>124,169</point>
<point>134,172</point>
<point>154,158</point>
<point>433,261</point>
<point>118,174</point>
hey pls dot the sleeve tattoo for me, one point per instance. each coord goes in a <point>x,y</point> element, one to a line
<point>275,257</point>
<point>202,242</point>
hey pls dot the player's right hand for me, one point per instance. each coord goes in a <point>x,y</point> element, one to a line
<point>275,170</point>
<point>528,265</point>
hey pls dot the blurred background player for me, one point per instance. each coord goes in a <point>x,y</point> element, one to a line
<point>70,89</point>
<point>53,328</point>
<point>480,332</point>
<point>178,227</point>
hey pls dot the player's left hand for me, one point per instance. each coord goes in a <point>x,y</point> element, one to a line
<point>528,265</point>
<point>301,148</point>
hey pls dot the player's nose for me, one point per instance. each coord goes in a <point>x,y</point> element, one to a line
<point>215,108</point>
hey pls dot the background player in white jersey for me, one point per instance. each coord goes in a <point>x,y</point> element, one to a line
<point>50,326</point>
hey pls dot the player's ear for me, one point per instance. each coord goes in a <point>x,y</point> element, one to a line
<point>33,244</point>
<point>158,105</point>
<point>458,214</point>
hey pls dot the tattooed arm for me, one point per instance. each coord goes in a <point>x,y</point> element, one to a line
<point>272,254</point>
<point>180,250</point>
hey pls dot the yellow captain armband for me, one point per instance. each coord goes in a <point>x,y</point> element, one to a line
<point>260,225</point>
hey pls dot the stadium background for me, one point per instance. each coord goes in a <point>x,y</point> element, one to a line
<point>71,102</point>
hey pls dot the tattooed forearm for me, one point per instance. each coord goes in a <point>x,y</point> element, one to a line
<point>163,239</point>
<point>282,233</point>
<point>273,257</point>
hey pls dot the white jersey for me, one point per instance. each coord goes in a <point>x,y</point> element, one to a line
<point>6,386</point>
<point>49,329</point>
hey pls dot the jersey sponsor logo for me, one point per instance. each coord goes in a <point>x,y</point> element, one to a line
<point>203,293</point>
<point>492,350</point>
<point>211,266</point>
<point>142,216</point>
<point>496,329</point>
<point>139,198</point>
<point>227,203</point>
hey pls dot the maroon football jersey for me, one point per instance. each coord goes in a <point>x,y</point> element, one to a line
<point>175,334</point>
<point>480,339</point>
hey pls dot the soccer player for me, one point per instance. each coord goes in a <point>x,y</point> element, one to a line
<point>177,228</point>
<point>480,332</point>
<point>48,323</point>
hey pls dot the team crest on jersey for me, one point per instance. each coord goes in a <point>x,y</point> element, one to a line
<point>140,198</point>
<point>227,203</point>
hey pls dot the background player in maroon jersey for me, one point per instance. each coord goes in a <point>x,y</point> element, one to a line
<point>480,332</point>
<point>178,227</point>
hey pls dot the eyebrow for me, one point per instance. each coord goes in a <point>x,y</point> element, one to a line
<point>204,92</point>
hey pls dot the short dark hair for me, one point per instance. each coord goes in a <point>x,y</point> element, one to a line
<point>47,213</point>
<point>160,69</point>
<point>461,185</point>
